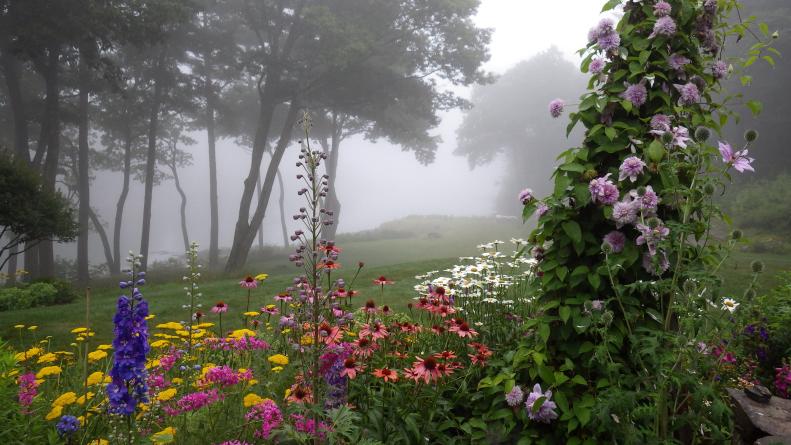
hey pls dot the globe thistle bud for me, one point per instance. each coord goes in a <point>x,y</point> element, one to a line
<point>749,294</point>
<point>667,137</point>
<point>641,191</point>
<point>589,174</point>
<point>606,248</point>
<point>702,134</point>
<point>709,189</point>
<point>750,135</point>
<point>654,222</point>
<point>757,266</point>
<point>736,234</point>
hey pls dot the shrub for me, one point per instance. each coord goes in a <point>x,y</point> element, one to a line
<point>40,293</point>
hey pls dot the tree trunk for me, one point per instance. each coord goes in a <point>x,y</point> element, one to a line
<point>261,227</point>
<point>238,253</point>
<point>281,204</point>
<point>214,209</point>
<point>240,250</point>
<point>12,265</point>
<point>151,161</point>
<point>183,209</point>
<point>46,256</point>
<point>83,174</point>
<point>108,254</point>
<point>10,67</point>
<point>115,266</point>
<point>332,203</point>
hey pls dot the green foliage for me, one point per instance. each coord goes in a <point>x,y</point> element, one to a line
<point>41,293</point>
<point>762,206</point>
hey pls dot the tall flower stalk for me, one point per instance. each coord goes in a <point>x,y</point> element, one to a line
<point>128,387</point>
<point>192,289</point>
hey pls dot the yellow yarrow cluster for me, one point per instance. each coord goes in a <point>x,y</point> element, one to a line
<point>278,359</point>
<point>48,371</point>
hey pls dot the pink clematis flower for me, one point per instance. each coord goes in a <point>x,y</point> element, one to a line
<point>739,159</point>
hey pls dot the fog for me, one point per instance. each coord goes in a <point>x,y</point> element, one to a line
<point>376,182</point>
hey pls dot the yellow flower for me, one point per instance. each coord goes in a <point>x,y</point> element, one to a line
<point>54,413</point>
<point>79,330</point>
<point>261,277</point>
<point>99,442</point>
<point>252,382</point>
<point>47,358</point>
<point>19,326</point>
<point>204,325</point>
<point>65,399</point>
<point>30,353</point>
<point>104,347</point>
<point>80,338</point>
<point>96,356</point>
<point>85,397</point>
<point>32,328</point>
<point>82,420</point>
<point>183,333</point>
<point>277,369</point>
<point>47,371</point>
<point>172,325</point>
<point>177,380</point>
<point>159,343</point>
<point>278,359</point>
<point>95,378</point>
<point>252,399</point>
<point>285,331</point>
<point>239,333</point>
<point>251,314</point>
<point>166,395</point>
<point>165,436</point>
<point>306,340</point>
<point>150,317</point>
<point>351,333</point>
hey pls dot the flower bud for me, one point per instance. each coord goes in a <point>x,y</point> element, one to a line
<point>667,137</point>
<point>709,189</point>
<point>750,135</point>
<point>702,134</point>
<point>690,287</point>
<point>736,234</point>
<point>757,266</point>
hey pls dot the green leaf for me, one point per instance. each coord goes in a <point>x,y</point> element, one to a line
<point>543,332</point>
<point>594,280</point>
<point>565,313</point>
<point>529,209</point>
<point>573,230</point>
<point>562,182</point>
<point>755,107</point>
<point>478,423</point>
<point>579,380</point>
<point>764,29</point>
<point>561,272</point>
<point>583,414</point>
<point>611,133</point>
<point>655,151</point>
<point>610,5</point>
<point>654,315</point>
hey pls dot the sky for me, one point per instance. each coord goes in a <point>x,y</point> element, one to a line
<point>376,182</point>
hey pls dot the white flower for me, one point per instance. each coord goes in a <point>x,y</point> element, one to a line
<point>729,304</point>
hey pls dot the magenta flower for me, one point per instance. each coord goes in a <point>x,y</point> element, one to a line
<point>636,94</point>
<point>739,160</point>
<point>219,308</point>
<point>27,390</point>
<point>268,413</point>
<point>603,190</point>
<point>615,240</point>
<point>664,26</point>
<point>556,107</point>
<point>193,402</point>
<point>546,413</point>
<point>631,168</point>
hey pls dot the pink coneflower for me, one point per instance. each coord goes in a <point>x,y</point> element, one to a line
<point>300,394</point>
<point>329,264</point>
<point>270,309</point>
<point>375,330</point>
<point>329,334</point>
<point>382,281</point>
<point>249,283</point>
<point>463,330</point>
<point>283,296</point>
<point>364,347</point>
<point>445,355</point>
<point>386,374</point>
<point>438,329</point>
<point>425,369</point>
<point>219,308</point>
<point>351,368</point>
<point>370,307</point>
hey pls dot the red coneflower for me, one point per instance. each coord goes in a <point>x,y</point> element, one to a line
<point>382,281</point>
<point>437,329</point>
<point>445,355</point>
<point>370,306</point>
<point>328,334</point>
<point>219,308</point>
<point>300,394</point>
<point>249,283</point>
<point>351,368</point>
<point>364,347</point>
<point>329,264</point>
<point>386,374</point>
<point>376,330</point>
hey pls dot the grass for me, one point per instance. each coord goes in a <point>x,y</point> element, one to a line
<point>412,248</point>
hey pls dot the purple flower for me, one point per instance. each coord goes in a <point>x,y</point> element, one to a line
<point>605,26</point>
<point>660,122</point>
<point>609,42</point>
<point>615,240</point>
<point>603,190</point>
<point>515,396</point>
<point>636,94</point>
<point>680,136</point>
<point>719,69</point>
<point>664,26</point>
<point>651,236</point>
<point>542,209</point>
<point>546,412</point>
<point>556,107</point>
<point>662,9</point>
<point>625,212</point>
<point>597,65</point>
<point>631,168</point>
<point>67,425</point>
<point>268,413</point>
<point>526,196</point>
<point>739,160</point>
<point>597,305</point>
<point>677,61</point>
<point>130,347</point>
<point>646,203</point>
<point>661,266</point>
<point>690,94</point>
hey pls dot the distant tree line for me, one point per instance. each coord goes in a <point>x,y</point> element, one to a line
<point>120,85</point>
